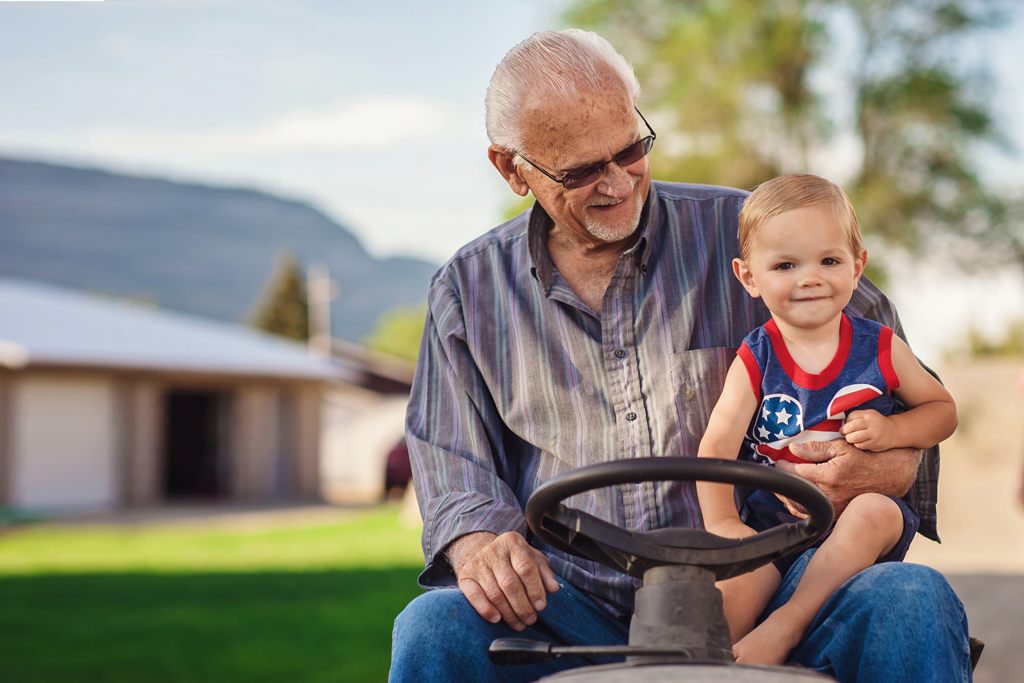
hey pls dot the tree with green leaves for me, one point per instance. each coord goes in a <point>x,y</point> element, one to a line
<point>283,309</point>
<point>397,332</point>
<point>744,90</point>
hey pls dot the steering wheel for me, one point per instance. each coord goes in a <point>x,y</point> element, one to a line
<point>634,552</point>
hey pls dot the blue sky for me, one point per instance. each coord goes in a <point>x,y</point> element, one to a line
<point>372,111</point>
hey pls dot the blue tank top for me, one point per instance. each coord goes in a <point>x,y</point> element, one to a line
<point>796,406</point>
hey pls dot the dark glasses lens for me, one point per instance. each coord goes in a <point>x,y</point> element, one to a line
<point>587,175</point>
<point>634,152</point>
<point>583,176</point>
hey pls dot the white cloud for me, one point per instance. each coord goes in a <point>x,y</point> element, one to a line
<point>363,123</point>
<point>367,122</point>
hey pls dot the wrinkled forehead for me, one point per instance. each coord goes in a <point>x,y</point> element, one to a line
<point>570,131</point>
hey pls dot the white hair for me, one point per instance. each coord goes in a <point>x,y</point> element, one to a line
<point>559,63</point>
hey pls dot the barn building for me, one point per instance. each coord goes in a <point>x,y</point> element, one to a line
<point>106,404</point>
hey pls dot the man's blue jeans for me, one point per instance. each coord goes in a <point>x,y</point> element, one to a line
<point>892,622</point>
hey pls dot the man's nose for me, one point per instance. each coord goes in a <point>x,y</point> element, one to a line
<point>615,181</point>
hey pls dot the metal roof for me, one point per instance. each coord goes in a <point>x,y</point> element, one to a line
<point>42,324</point>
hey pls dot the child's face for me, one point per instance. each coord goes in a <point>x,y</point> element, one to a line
<point>802,265</point>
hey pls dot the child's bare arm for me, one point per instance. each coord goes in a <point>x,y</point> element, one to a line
<point>723,439</point>
<point>931,418</point>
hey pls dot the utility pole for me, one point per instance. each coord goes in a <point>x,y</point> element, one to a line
<point>320,291</point>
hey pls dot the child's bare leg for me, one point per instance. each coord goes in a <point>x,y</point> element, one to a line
<point>744,598</point>
<point>868,529</point>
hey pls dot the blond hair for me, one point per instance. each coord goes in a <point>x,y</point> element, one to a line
<point>797,191</point>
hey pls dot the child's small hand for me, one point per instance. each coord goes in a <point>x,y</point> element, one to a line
<point>868,430</point>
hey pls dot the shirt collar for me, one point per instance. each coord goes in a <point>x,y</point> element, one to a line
<point>543,269</point>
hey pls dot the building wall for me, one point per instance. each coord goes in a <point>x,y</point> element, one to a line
<point>359,430</point>
<point>308,402</point>
<point>5,438</point>
<point>74,439</point>
<point>63,442</point>
<point>255,442</point>
<point>275,437</point>
<point>140,457</point>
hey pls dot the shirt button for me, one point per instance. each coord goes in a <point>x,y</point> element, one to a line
<point>630,416</point>
<point>619,353</point>
<point>643,268</point>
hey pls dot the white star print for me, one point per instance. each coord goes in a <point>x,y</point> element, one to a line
<point>763,433</point>
<point>783,416</point>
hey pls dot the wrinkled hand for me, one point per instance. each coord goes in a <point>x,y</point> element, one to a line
<point>868,430</point>
<point>503,577</point>
<point>843,471</point>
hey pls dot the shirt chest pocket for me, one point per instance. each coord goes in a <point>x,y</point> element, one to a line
<point>699,376</point>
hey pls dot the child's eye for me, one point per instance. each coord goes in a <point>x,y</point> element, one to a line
<point>829,262</point>
<point>784,266</point>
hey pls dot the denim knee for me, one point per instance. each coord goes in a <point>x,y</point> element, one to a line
<point>891,622</point>
<point>440,637</point>
<point>436,616</point>
<point>909,588</point>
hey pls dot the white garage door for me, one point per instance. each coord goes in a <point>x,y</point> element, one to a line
<point>64,443</point>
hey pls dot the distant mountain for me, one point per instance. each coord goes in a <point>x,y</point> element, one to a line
<point>194,248</point>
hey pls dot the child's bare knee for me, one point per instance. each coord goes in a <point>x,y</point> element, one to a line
<point>873,511</point>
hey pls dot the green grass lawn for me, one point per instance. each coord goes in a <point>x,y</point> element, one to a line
<point>177,604</point>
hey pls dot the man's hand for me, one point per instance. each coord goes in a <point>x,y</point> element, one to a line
<point>503,577</point>
<point>844,472</point>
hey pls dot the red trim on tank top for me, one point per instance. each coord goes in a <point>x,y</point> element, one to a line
<point>795,373</point>
<point>753,372</point>
<point>892,380</point>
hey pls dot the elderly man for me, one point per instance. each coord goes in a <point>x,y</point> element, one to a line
<point>599,326</point>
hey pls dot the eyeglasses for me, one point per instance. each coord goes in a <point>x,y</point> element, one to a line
<point>591,173</point>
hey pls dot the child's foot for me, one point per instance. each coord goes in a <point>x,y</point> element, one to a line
<point>769,643</point>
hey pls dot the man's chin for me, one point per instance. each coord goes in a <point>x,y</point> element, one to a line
<point>615,232</point>
<point>609,233</point>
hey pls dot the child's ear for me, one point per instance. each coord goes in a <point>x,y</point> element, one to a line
<point>746,278</point>
<point>859,264</point>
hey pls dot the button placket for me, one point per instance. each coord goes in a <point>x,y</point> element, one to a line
<point>617,327</point>
<point>636,419</point>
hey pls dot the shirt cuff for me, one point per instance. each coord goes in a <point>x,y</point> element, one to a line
<point>450,520</point>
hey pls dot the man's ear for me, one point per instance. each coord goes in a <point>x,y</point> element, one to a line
<point>746,278</point>
<point>858,266</point>
<point>502,160</point>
